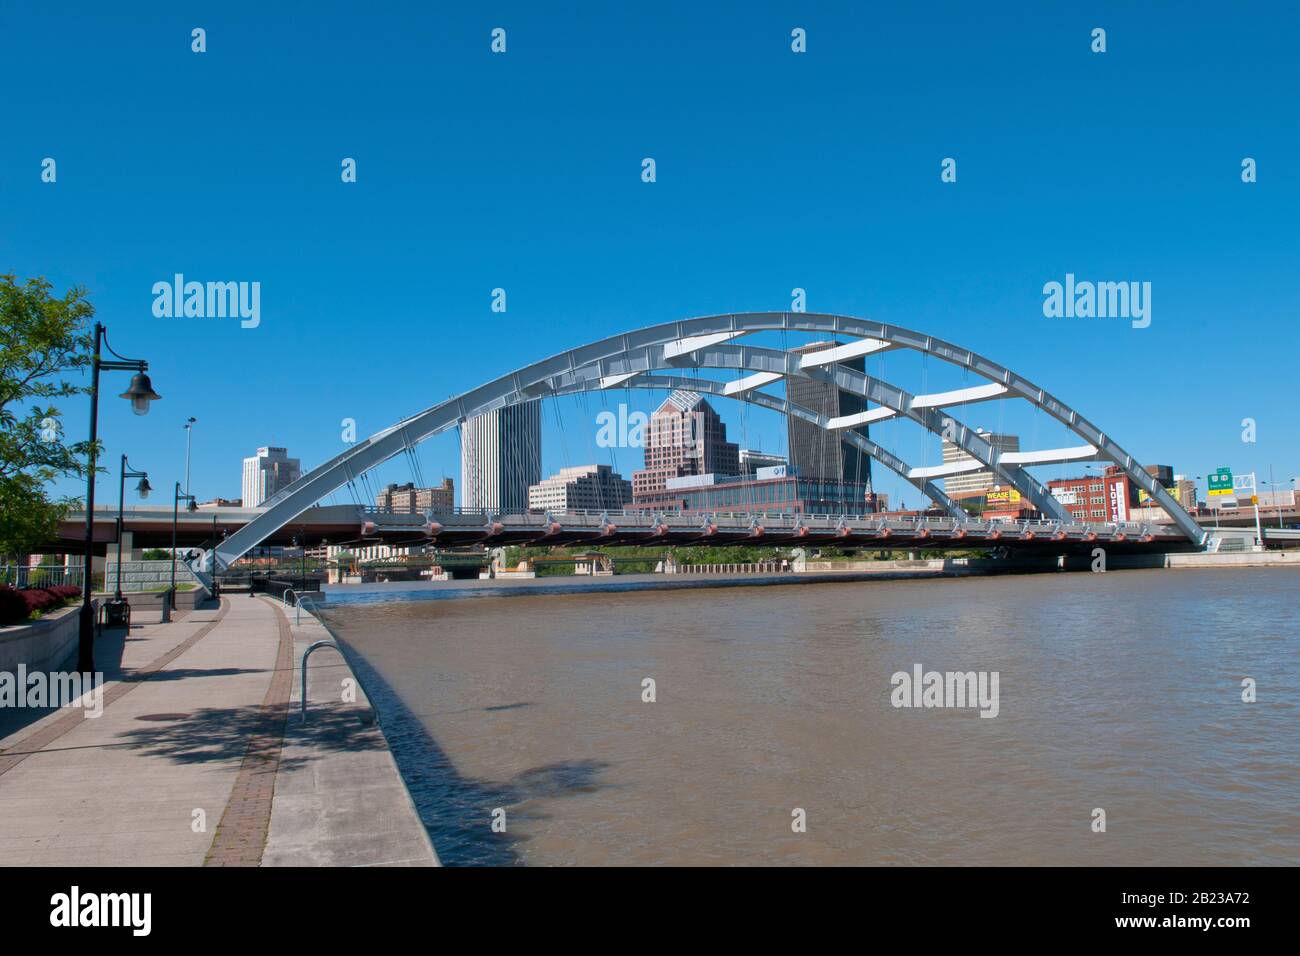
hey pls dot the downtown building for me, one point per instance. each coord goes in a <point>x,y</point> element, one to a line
<point>1112,496</point>
<point>772,490</point>
<point>581,488</point>
<point>1109,497</point>
<point>752,459</point>
<point>268,473</point>
<point>820,454</point>
<point>969,484</point>
<point>691,467</point>
<point>500,457</point>
<point>684,437</point>
<point>1182,489</point>
<point>408,499</point>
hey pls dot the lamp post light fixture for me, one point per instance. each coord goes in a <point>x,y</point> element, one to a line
<point>1277,503</point>
<point>301,545</point>
<point>1254,499</point>
<point>191,507</point>
<point>139,393</point>
<point>114,608</point>
<point>189,434</point>
<point>216,588</point>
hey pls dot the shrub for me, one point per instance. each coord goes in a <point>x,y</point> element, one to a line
<point>16,606</point>
<point>12,606</point>
<point>38,599</point>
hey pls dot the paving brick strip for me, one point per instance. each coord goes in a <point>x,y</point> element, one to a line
<point>42,738</point>
<point>241,835</point>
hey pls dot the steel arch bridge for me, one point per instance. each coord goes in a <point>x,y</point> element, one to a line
<point>645,358</point>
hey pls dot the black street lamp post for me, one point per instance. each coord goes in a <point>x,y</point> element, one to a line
<point>143,489</point>
<point>191,507</point>
<point>215,586</point>
<point>295,542</point>
<point>140,393</point>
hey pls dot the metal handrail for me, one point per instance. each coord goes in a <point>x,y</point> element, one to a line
<point>306,654</point>
<point>374,713</point>
<point>297,604</point>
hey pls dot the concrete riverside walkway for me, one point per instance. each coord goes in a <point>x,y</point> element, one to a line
<point>196,759</point>
<point>339,798</point>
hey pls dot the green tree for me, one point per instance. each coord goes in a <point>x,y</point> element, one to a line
<point>42,338</point>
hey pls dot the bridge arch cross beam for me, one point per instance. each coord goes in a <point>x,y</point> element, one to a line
<point>624,369</point>
<point>784,406</point>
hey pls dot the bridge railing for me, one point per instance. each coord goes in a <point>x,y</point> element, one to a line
<point>645,517</point>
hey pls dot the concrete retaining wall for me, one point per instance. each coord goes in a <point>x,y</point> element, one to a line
<point>147,575</point>
<point>1235,559</point>
<point>927,564</point>
<point>152,600</point>
<point>762,567</point>
<point>44,645</point>
<point>1074,562</point>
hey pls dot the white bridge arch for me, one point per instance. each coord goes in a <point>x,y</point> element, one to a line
<point>633,358</point>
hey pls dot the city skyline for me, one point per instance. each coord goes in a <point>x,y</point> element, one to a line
<point>959,486</point>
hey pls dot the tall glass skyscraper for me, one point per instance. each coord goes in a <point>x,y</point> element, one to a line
<point>500,456</point>
<point>816,453</point>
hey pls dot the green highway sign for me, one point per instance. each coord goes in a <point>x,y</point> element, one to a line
<point>1221,482</point>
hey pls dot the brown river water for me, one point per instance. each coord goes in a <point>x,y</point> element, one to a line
<point>1119,691</point>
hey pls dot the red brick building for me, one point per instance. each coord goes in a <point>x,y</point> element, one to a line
<point>1107,497</point>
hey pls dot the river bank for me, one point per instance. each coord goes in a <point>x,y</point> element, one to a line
<point>816,572</point>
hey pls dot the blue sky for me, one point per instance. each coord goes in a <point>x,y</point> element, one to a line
<point>775,171</point>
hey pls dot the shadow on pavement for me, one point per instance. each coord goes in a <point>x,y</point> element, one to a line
<point>222,734</point>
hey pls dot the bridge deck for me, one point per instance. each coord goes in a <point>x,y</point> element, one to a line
<point>350,525</point>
